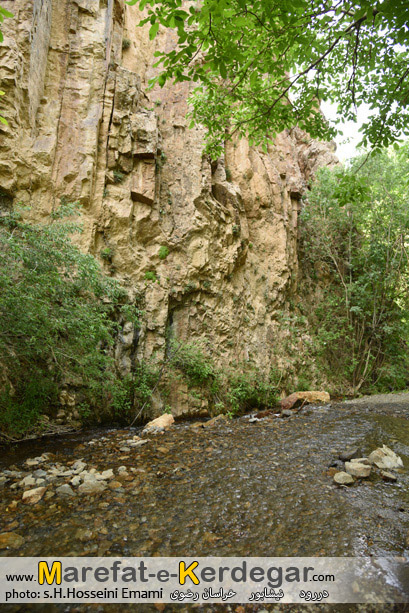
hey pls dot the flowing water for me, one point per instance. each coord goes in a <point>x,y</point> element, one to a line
<point>233,488</point>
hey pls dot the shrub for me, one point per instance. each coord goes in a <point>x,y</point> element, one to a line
<point>163,252</point>
<point>133,393</point>
<point>118,176</point>
<point>192,361</point>
<point>126,43</point>
<point>106,254</point>
<point>150,276</point>
<point>250,389</point>
<point>57,317</point>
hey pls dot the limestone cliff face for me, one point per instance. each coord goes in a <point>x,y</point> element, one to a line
<point>83,127</point>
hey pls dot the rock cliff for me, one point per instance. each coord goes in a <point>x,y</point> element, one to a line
<point>209,249</point>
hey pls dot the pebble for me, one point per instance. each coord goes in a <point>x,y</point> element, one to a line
<point>106,474</point>
<point>92,487</point>
<point>286,413</point>
<point>33,496</point>
<point>28,481</point>
<point>343,478</point>
<point>65,490</point>
<point>350,454</point>
<point>361,471</point>
<point>11,540</point>
<point>79,466</point>
<point>40,473</point>
<point>387,476</point>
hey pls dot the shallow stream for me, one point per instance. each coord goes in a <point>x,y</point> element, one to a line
<point>234,488</point>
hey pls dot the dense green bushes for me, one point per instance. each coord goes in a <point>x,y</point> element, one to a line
<point>355,239</point>
<point>227,391</point>
<point>58,316</point>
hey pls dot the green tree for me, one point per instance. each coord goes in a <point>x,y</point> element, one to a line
<point>58,316</point>
<point>355,229</point>
<point>262,66</point>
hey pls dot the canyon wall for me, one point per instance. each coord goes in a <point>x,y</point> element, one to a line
<point>209,250</point>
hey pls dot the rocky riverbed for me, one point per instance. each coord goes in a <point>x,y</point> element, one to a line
<point>230,487</point>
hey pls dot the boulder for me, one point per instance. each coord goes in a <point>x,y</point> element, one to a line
<point>343,478</point>
<point>33,496</point>
<point>356,469</point>
<point>300,398</point>
<point>159,424</point>
<point>385,458</point>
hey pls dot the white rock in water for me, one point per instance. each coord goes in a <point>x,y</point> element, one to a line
<point>92,487</point>
<point>79,466</point>
<point>342,478</point>
<point>106,474</point>
<point>139,443</point>
<point>28,481</point>
<point>385,458</point>
<point>160,423</point>
<point>33,496</point>
<point>358,470</point>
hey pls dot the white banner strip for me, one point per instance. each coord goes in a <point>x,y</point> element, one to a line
<point>201,580</point>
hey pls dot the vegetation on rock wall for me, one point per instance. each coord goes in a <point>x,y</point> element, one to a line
<point>58,316</point>
<point>226,391</point>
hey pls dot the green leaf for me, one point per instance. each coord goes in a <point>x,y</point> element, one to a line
<point>223,71</point>
<point>6,13</point>
<point>153,30</point>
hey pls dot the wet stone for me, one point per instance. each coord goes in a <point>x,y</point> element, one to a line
<point>360,471</point>
<point>65,490</point>
<point>387,476</point>
<point>343,478</point>
<point>11,540</point>
<point>92,487</point>
<point>350,454</point>
<point>33,496</point>
<point>286,413</point>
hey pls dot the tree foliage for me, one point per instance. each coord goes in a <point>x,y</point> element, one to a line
<point>355,233</point>
<point>262,66</point>
<point>57,319</point>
